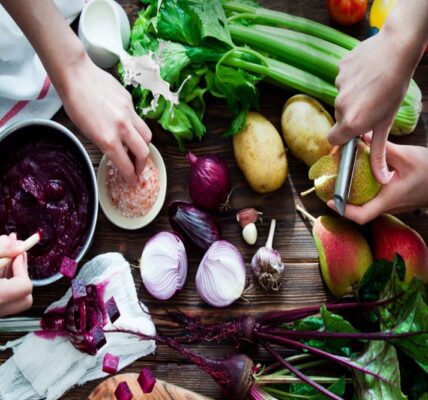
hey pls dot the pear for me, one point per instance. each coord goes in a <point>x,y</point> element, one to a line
<point>391,236</point>
<point>344,253</point>
<point>364,186</point>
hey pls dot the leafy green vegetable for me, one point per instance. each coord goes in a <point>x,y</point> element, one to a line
<point>195,39</point>
<point>409,313</point>
<point>413,378</point>
<point>377,276</point>
<point>380,358</point>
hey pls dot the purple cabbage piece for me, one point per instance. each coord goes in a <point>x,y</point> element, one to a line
<point>78,290</point>
<point>112,309</point>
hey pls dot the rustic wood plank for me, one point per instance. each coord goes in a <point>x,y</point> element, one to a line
<point>302,284</point>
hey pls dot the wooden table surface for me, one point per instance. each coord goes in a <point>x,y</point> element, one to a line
<point>302,283</point>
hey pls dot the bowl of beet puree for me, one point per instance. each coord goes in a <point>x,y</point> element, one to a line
<point>47,185</point>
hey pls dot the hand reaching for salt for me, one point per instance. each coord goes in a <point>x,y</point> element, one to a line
<point>46,366</point>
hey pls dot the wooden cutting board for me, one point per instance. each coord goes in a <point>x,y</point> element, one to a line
<point>162,390</point>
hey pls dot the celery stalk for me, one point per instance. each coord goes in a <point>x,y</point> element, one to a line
<point>282,19</point>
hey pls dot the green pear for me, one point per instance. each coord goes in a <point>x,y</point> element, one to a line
<point>391,236</point>
<point>343,251</point>
<point>364,186</point>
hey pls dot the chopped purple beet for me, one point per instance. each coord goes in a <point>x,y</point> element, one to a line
<point>68,267</point>
<point>112,309</point>
<point>110,363</point>
<point>98,337</point>
<point>78,290</point>
<point>146,380</point>
<point>123,392</point>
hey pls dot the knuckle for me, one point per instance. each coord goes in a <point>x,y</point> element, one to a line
<point>28,303</point>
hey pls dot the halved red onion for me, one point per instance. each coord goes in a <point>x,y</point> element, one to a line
<point>221,275</point>
<point>163,265</point>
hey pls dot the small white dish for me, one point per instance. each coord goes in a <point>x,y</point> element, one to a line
<point>105,31</point>
<point>113,214</point>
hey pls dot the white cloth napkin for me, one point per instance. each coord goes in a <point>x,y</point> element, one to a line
<point>42,368</point>
<point>25,89</point>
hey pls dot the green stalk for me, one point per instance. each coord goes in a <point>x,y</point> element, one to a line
<point>326,47</point>
<point>287,76</point>
<point>282,19</point>
<point>298,54</point>
<point>281,380</point>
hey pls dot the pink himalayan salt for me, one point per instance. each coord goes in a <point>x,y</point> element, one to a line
<point>133,200</point>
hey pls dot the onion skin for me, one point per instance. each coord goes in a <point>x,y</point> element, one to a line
<point>209,181</point>
<point>221,275</point>
<point>193,225</point>
<point>163,265</point>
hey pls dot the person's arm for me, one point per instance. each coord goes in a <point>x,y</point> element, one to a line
<point>15,284</point>
<point>406,190</point>
<point>374,77</point>
<point>97,104</point>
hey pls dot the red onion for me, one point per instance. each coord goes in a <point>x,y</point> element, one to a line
<point>221,275</point>
<point>195,225</point>
<point>163,265</point>
<point>209,181</point>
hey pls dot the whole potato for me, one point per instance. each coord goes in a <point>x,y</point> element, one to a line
<point>305,125</point>
<point>260,154</point>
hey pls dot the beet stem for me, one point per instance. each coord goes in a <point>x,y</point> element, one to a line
<point>338,359</point>
<point>298,373</point>
<point>337,335</point>
<point>281,317</point>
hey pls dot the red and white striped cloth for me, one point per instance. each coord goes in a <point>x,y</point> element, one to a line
<point>25,88</point>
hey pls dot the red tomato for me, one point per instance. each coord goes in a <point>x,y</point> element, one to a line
<point>346,12</point>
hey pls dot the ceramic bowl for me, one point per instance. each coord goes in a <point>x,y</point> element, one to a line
<point>19,133</point>
<point>112,213</point>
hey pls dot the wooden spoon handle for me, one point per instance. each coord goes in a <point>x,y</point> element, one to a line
<point>28,244</point>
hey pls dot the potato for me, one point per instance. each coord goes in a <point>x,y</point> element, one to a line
<point>305,125</point>
<point>260,154</point>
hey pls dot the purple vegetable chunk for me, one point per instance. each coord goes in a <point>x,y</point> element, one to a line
<point>123,392</point>
<point>53,321</point>
<point>98,336</point>
<point>146,380</point>
<point>68,267</point>
<point>112,309</point>
<point>78,290</point>
<point>110,363</point>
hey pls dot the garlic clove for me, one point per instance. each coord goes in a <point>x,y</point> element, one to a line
<point>249,233</point>
<point>248,216</point>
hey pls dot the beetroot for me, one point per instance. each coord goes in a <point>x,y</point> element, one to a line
<point>146,380</point>
<point>123,392</point>
<point>112,309</point>
<point>68,267</point>
<point>110,363</point>
<point>78,290</point>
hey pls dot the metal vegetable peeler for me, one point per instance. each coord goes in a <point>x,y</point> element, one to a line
<point>344,175</point>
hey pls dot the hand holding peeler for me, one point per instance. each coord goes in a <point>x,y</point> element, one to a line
<point>344,175</point>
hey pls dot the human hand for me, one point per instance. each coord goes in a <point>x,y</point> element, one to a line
<point>372,82</point>
<point>15,284</point>
<point>404,192</point>
<point>103,110</point>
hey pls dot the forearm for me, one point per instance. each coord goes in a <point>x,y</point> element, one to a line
<point>407,25</point>
<point>48,32</point>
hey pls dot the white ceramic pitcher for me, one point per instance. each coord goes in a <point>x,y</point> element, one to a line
<point>104,30</point>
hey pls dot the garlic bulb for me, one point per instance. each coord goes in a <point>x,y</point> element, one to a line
<point>267,264</point>
<point>163,265</point>
<point>221,275</point>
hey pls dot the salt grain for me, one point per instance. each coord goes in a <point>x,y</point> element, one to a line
<point>133,200</point>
